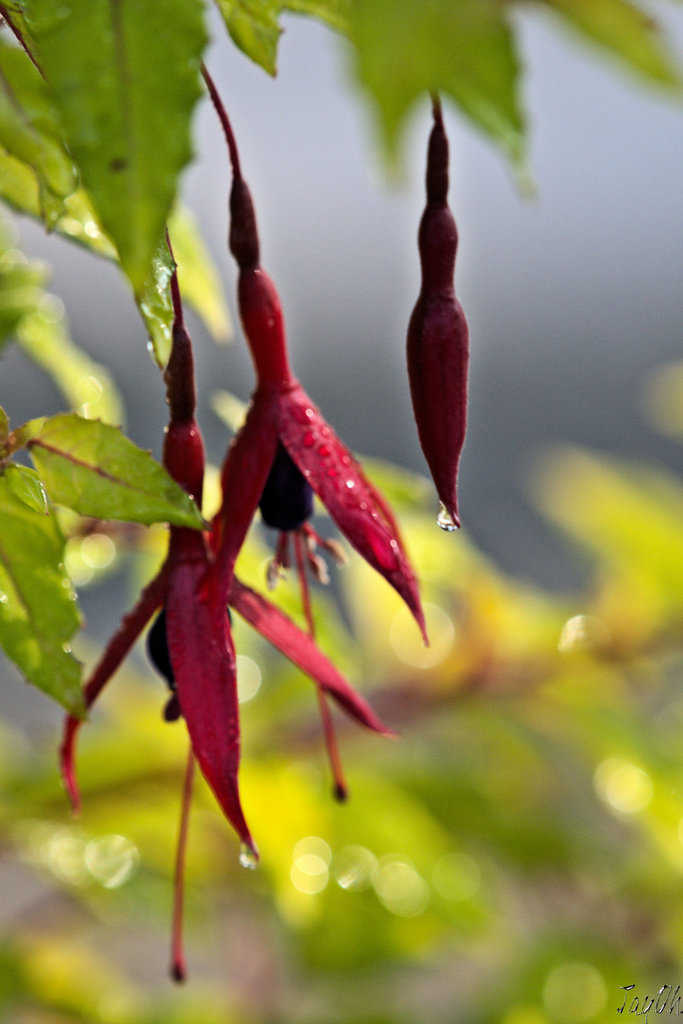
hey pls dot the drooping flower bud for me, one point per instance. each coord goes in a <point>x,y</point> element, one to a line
<point>438,340</point>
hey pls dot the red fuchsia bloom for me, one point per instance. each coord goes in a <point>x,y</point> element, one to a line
<point>285,444</point>
<point>285,451</point>
<point>191,643</point>
<point>438,342</point>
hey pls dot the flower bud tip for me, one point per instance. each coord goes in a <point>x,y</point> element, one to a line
<point>178,971</point>
<point>340,793</point>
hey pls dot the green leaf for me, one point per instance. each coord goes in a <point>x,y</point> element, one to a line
<point>126,82</point>
<point>30,130</point>
<point>199,285</point>
<point>254,25</point>
<point>334,13</point>
<point>93,469</point>
<point>463,49</point>
<point>26,485</point>
<point>20,290</point>
<point>38,611</point>
<point>4,427</point>
<point>153,300</point>
<point>77,221</point>
<point>623,30</point>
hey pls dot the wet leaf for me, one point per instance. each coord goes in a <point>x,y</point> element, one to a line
<point>38,613</point>
<point>26,485</point>
<point>125,106</point>
<point>93,469</point>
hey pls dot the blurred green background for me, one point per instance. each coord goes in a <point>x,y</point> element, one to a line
<point>516,856</point>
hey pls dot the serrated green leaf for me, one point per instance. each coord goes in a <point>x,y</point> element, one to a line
<point>625,31</point>
<point>93,469</point>
<point>4,427</point>
<point>30,130</point>
<point>126,86</point>
<point>26,485</point>
<point>463,49</point>
<point>254,25</point>
<point>38,611</point>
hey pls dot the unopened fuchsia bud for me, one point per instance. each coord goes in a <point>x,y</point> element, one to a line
<point>438,341</point>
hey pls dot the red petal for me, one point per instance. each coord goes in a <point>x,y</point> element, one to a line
<point>298,646</point>
<point>132,624</point>
<point>357,508</point>
<point>245,471</point>
<point>203,660</point>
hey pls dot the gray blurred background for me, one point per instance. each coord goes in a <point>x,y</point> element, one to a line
<point>572,297</point>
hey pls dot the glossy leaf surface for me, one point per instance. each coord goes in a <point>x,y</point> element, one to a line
<point>92,468</point>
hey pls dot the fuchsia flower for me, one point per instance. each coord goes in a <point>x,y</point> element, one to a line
<point>191,641</point>
<point>285,451</point>
<point>285,444</point>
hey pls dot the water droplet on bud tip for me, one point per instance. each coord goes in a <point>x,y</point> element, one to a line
<point>248,857</point>
<point>445,519</point>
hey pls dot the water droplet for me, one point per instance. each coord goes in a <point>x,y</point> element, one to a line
<point>445,519</point>
<point>248,856</point>
<point>3,598</point>
<point>309,414</point>
<point>350,484</point>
